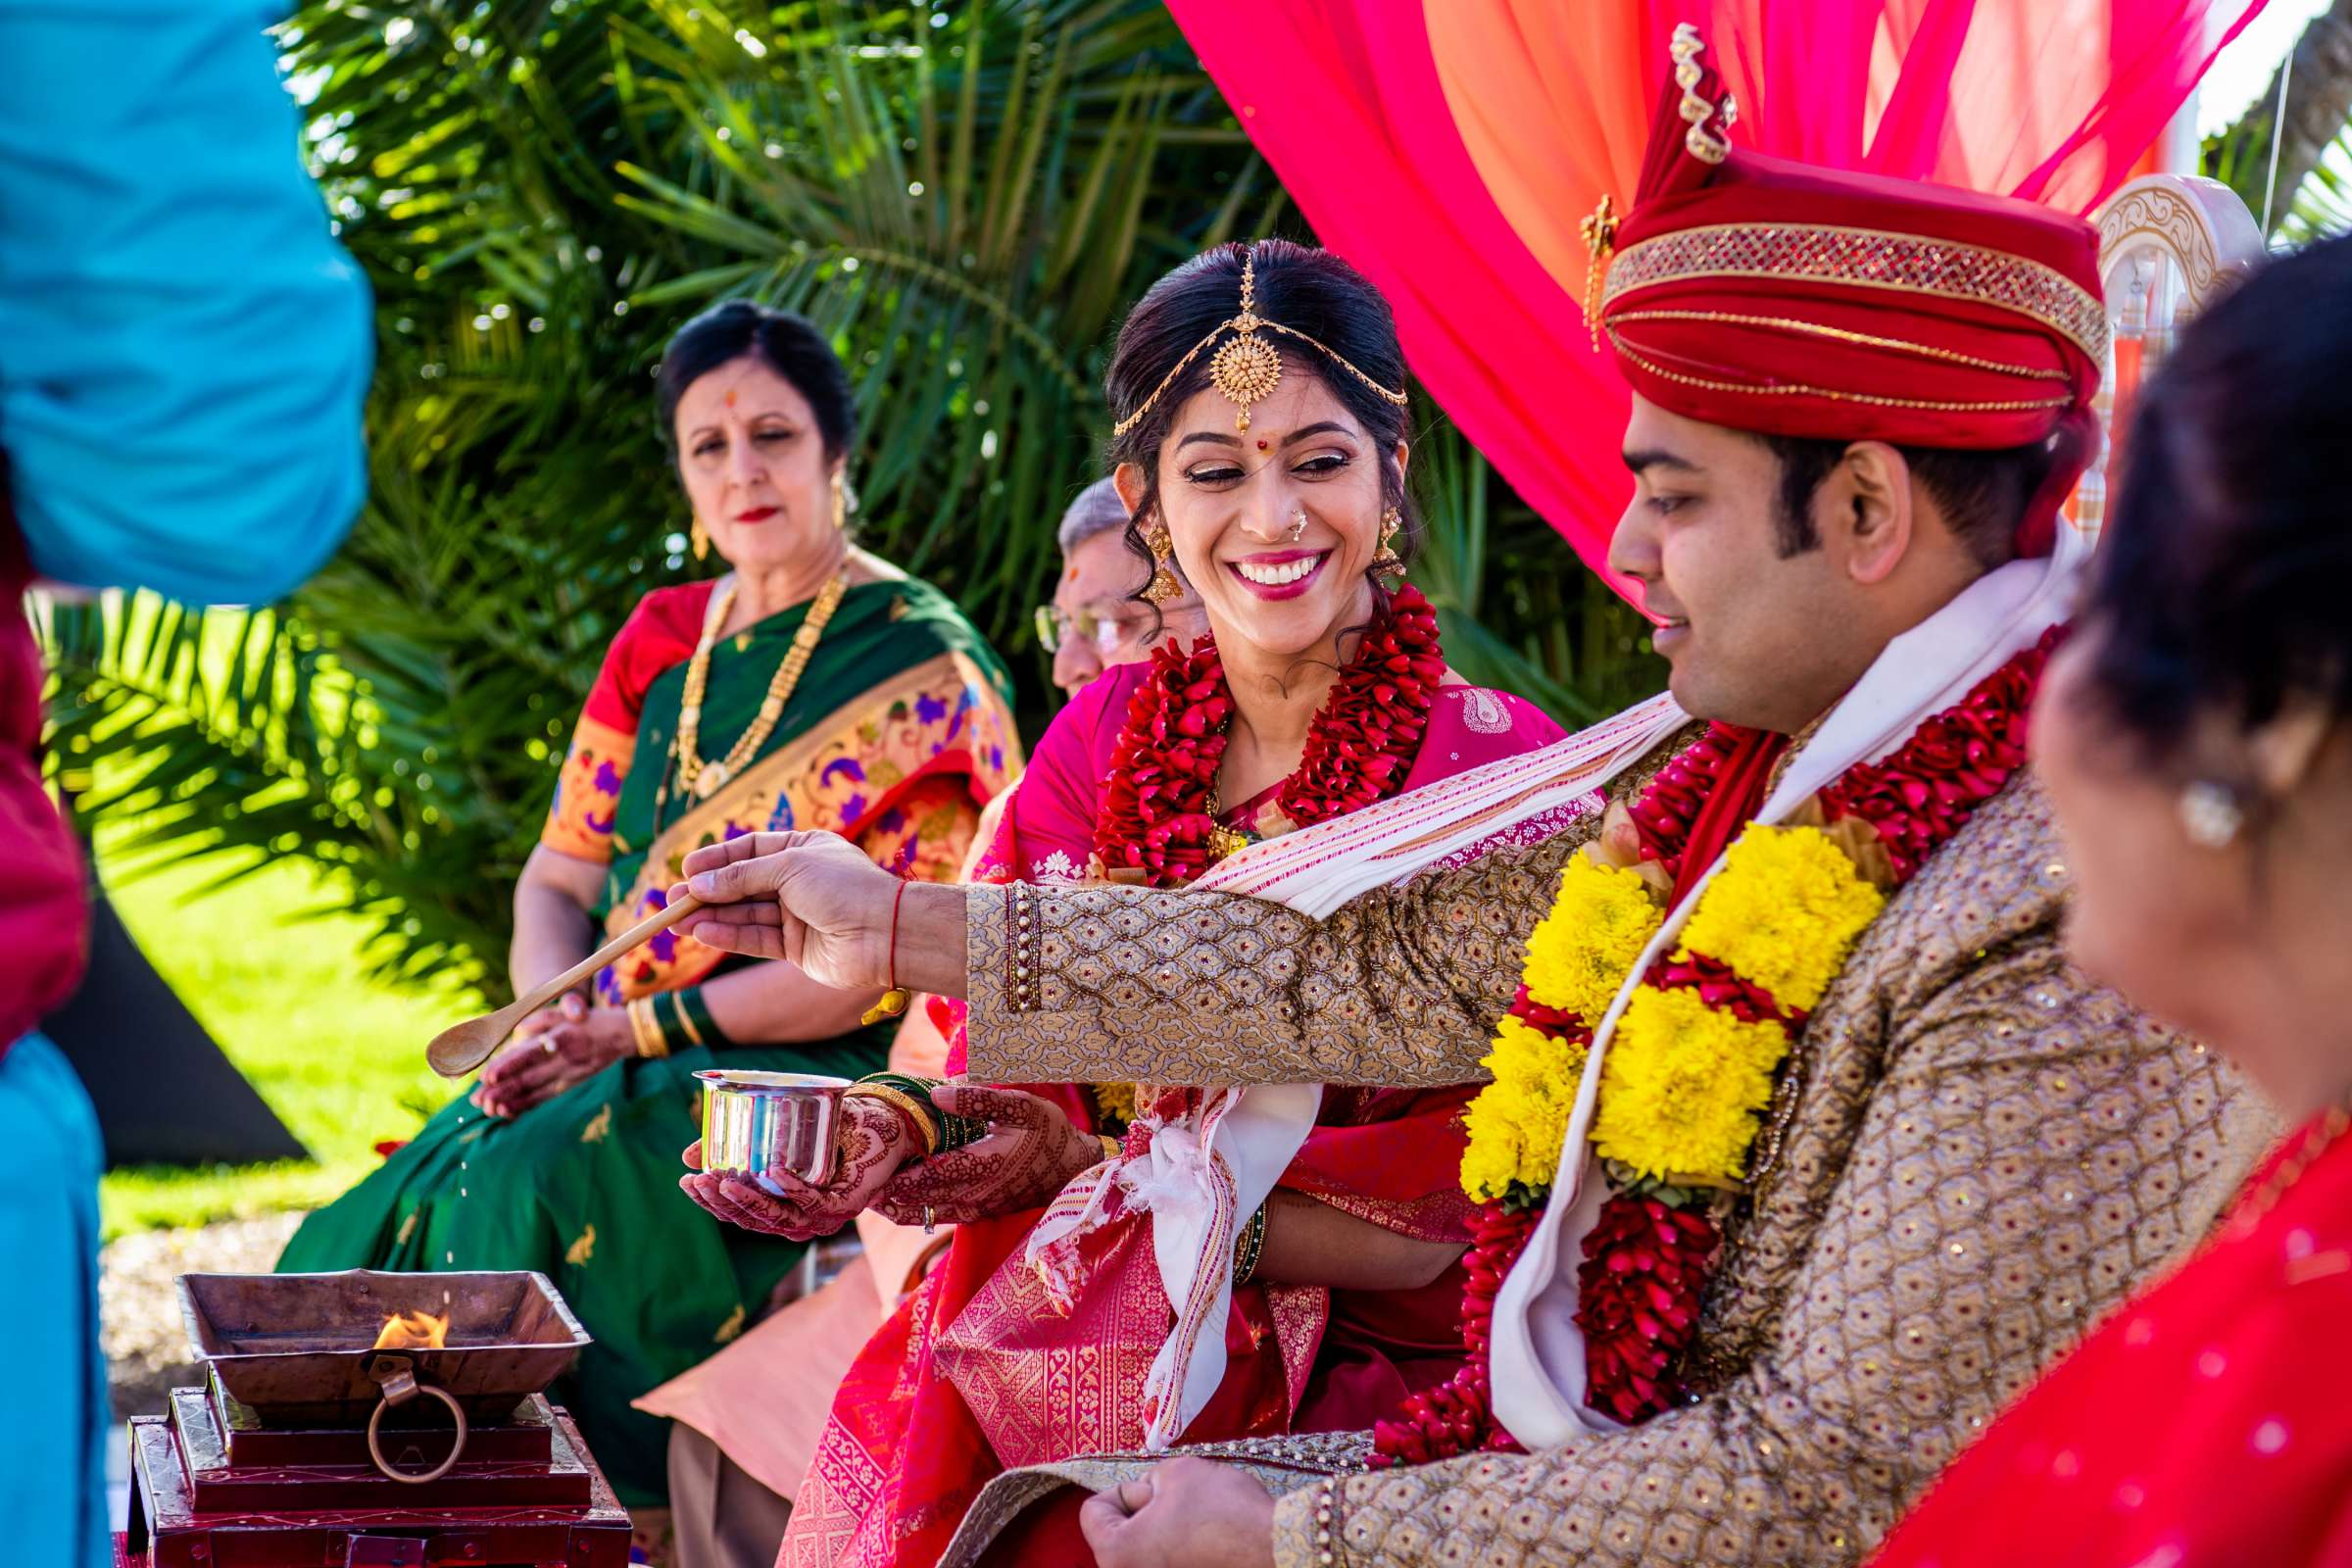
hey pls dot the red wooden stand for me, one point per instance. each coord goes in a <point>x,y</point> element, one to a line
<point>212,1488</point>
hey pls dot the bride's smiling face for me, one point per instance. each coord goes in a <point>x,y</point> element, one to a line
<point>1275,525</point>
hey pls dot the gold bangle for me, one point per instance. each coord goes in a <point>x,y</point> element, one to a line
<point>645,1029</point>
<point>1110,1146</point>
<point>905,1103</point>
<point>677,1005</point>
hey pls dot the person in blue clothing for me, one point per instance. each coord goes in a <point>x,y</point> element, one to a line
<point>184,350</point>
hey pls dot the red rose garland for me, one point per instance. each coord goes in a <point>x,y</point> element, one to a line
<point>1664,814</point>
<point>1646,1263</point>
<point>1955,762</point>
<point>1636,1300</point>
<point>1158,812</point>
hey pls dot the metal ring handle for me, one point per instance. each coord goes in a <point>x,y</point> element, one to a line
<point>417,1478</point>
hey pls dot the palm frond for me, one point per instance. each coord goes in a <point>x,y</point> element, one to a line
<point>965,200</point>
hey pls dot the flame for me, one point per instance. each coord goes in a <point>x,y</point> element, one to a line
<point>413,1331</point>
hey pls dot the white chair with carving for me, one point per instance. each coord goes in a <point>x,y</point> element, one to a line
<point>2169,246</point>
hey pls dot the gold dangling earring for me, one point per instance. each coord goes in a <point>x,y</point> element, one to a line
<point>701,536</point>
<point>841,503</point>
<point>1163,585</point>
<point>1388,561</point>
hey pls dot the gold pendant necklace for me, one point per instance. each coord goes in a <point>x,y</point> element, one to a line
<point>1223,841</point>
<point>704,779</point>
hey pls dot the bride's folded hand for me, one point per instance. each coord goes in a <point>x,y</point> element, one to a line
<point>1031,1151</point>
<point>875,1142</point>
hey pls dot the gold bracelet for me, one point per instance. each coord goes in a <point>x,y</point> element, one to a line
<point>677,1005</point>
<point>904,1104</point>
<point>1110,1146</point>
<point>645,1029</point>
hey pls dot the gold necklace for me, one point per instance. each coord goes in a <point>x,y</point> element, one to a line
<point>1223,841</point>
<point>706,778</point>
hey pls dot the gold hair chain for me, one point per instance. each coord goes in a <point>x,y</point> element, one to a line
<point>1248,368</point>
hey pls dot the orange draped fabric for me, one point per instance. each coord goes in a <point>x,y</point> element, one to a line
<point>1452,148</point>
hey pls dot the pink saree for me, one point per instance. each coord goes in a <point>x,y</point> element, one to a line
<point>977,1371</point>
<point>1451,149</point>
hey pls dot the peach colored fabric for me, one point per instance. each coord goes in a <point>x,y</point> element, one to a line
<point>1553,100</point>
<point>1452,148</point>
<point>764,1399</point>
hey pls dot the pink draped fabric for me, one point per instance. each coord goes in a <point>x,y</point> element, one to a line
<point>1451,148</point>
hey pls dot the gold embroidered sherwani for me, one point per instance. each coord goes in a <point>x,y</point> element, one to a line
<point>1979,1152</point>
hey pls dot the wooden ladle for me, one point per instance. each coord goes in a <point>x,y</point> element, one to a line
<point>461,1048</point>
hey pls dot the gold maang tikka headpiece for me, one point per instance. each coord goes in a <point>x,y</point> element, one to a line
<point>1248,367</point>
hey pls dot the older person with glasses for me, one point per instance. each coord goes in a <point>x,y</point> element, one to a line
<point>1094,622</point>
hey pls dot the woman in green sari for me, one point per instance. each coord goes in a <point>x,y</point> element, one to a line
<point>812,686</point>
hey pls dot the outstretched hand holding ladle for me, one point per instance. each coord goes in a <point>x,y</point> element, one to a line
<point>461,1048</point>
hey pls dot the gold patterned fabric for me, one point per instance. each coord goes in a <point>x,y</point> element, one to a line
<point>1980,1152</point>
<point>1399,988</point>
<point>1866,258</point>
<point>1283,1465</point>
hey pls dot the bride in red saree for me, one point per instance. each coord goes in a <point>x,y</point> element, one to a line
<point>1273,480</point>
<point>977,1371</point>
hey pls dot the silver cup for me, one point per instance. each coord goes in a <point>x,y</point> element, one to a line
<point>755,1123</point>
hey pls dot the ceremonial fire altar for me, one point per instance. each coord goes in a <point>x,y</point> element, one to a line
<point>362,1418</point>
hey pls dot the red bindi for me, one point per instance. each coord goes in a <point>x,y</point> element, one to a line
<point>1261,443</point>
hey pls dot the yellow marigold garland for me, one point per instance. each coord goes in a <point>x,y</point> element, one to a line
<point>1115,1100</point>
<point>1691,1065</point>
<point>1579,956</point>
<point>1784,912</point>
<point>1517,1122</point>
<point>1681,1088</point>
<point>1683,1083</point>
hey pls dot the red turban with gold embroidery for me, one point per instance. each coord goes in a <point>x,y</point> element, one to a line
<point>1788,300</point>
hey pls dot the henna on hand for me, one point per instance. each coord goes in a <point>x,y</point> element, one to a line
<point>1030,1154</point>
<point>874,1142</point>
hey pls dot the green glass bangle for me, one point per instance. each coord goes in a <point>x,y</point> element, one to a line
<point>1249,1246</point>
<point>956,1131</point>
<point>918,1090</point>
<point>953,1131</point>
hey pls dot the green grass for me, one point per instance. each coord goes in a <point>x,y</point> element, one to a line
<point>339,1057</point>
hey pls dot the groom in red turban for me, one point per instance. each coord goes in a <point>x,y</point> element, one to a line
<point>1858,403</point>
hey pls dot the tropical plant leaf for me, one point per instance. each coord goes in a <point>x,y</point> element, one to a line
<point>965,200</point>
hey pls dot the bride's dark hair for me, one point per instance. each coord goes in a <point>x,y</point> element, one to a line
<point>1307,290</point>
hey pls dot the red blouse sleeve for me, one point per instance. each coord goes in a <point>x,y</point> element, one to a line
<point>660,632</point>
<point>1054,811</point>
